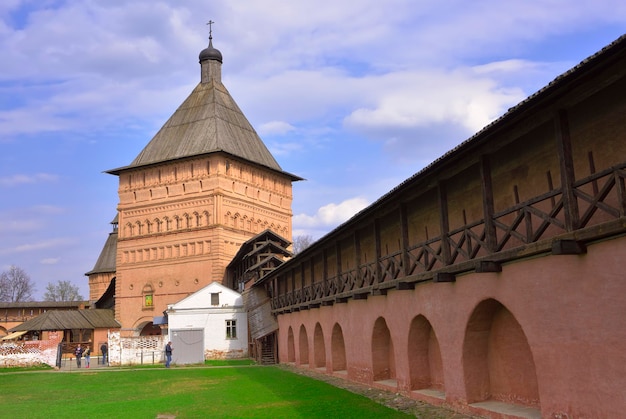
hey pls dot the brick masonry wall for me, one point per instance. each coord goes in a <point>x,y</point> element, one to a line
<point>29,353</point>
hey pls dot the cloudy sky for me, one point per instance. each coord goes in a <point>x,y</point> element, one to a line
<point>353,96</point>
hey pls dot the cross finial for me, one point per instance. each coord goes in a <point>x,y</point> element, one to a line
<point>210,23</point>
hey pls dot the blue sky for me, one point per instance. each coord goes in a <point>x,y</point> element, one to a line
<point>353,96</point>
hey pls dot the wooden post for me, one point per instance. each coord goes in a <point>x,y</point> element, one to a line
<point>566,163</point>
<point>404,237</point>
<point>357,255</point>
<point>378,250</point>
<point>487,188</point>
<point>445,222</point>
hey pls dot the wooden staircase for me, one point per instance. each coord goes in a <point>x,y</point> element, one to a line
<point>268,353</point>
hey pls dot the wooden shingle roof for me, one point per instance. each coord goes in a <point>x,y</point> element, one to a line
<point>208,121</point>
<point>74,319</point>
<point>106,260</point>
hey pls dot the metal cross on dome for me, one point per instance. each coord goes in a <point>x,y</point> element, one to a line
<point>210,23</point>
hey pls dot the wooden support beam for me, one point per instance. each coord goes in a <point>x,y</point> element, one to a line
<point>340,300</point>
<point>325,270</point>
<point>404,237</point>
<point>444,277</point>
<point>488,266</point>
<point>357,254</point>
<point>566,163</point>
<point>405,286</point>
<point>568,247</point>
<point>444,221</point>
<point>379,291</point>
<point>488,206</point>
<point>328,302</point>
<point>378,249</point>
<point>337,259</point>
<point>360,296</point>
<point>315,305</point>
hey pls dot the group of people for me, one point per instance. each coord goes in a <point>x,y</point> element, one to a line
<point>86,352</point>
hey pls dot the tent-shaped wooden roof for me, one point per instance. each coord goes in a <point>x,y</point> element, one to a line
<point>74,319</point>
<point>208,121</point>
<point>106,260</point>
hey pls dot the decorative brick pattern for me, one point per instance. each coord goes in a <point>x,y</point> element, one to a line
<point>135,350</point>
<point>29,353</point>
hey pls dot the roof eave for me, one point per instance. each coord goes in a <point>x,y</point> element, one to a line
<point>119,170</point>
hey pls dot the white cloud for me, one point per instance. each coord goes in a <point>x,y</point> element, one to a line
<point>275,128</point>
<point>21,179</point>
<point>39,245</point>
<point>19,226</point>
<point>330,215</point>
<point>48,209</point>
<point>49,261</point>
<point>419,99</point>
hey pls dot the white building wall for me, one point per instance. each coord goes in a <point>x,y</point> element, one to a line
<point>196,312</point>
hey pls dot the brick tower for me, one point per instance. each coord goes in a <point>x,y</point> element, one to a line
<point>202,186</point>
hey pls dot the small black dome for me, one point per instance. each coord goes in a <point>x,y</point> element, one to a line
<point>210,53</point>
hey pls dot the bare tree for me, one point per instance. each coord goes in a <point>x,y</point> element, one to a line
<point>62,291</point>
<point>301,242</point>
<point>16,286</point>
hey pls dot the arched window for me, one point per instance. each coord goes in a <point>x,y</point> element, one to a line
<point>148,297</point>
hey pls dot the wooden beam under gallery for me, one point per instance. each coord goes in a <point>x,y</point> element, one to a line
<point>405,286</point>
<point>444,277</point>
<point>488,266</point>
<point>379,291</point>
<point>568,247</point>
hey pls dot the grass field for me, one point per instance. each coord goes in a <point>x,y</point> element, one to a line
<point>211,392</point>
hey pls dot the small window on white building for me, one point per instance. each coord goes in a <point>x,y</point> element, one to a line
<point>231,329</point>
<point>215,298</point>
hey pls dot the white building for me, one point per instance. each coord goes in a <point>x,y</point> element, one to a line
<point>209,324</point>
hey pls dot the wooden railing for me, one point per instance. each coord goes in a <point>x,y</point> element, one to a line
<point>600,201</point>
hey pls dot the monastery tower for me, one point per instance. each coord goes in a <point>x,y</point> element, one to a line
<point>202,186</point>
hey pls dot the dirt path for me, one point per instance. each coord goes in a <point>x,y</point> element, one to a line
<point>390,399</point>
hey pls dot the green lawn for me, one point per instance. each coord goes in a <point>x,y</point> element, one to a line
<point>218,392</point>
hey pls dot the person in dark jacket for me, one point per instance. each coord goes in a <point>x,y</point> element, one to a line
<point>105,350</point>
<point>79,354</point>
<point>168,354</point>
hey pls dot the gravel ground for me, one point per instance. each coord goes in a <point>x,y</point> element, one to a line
<point>388,398</point>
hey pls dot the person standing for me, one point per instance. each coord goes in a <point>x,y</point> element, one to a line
<point>104,349</point>
<point>87,355</point>
<point>168,354</point>
<point>79,354</point>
